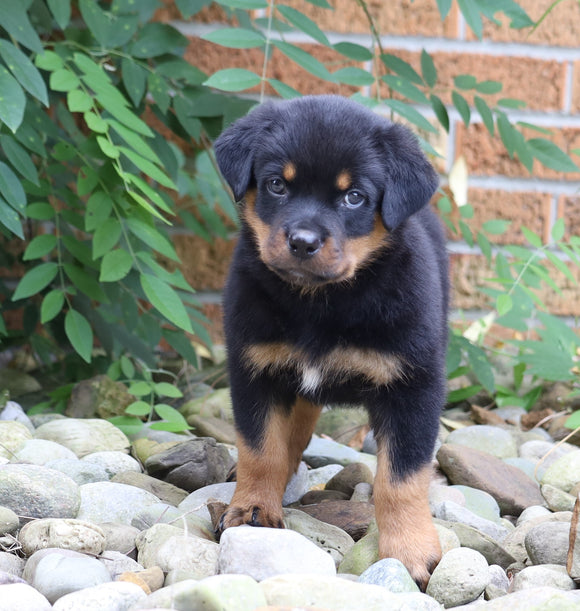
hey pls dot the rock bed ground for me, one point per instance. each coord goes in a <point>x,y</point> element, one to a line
<point>92,520</point>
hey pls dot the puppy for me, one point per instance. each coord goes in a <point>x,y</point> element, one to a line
<point>337,294</point>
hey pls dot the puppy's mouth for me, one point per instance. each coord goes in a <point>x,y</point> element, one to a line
<point>308,278</point>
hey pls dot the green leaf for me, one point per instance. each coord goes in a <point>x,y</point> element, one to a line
<point>148,168</point>
<point>19,158</point>
<point>409,113</point>
<point>233,79</point>
<point>106,236</point>
<point>39,246</point>
<point>79,333</point>
<point>351,75</point>
<point>173,420</point>
<point>159,90</point>
<point>157,39</point>
<point>485,246</point>
<point>462,107</point>
<point>303,23</point>
<point>461,394</point>
<point>135,141</point>
<point>402,68</point>
<point>78,100</point>
<point>149,192</point>
<point>404,87</point>
<point>353,51</point>
<point>95,123</point>
<point>507,134</point>
<point>503,303</point>
<point>558,230</point>
<point>24,71</point>
<point>444,7</point>
<point>96,19</point>
<point>151,236</point>
<point>551,156</point>
<point>440,111</point>
<point>561,266</point>
<point>61,12</point>
<point>243,4</point>
<point>511,103</point>
<point>236,38</point>
<point>40,211</point>
<point>480,366</point>
<point>465,81</point>
<point>533,238</point>
<point>64,80</point>
<point>115,265</point>
<point>573,421</point>
<point>303,59</point>
<point>12,100</point>
<point>166,300</point>
<point>320,3</point>
<point>141,389</point>
<point>138,408</point>
<point>49,60</point>
<point>108,147</point>
<point>134,78</point>
<point>471,11</point>
<point>52,305</point>
<point>496,226</point>
<point>485,113</point>
<point>15,21</point>
<point>115,104</point>
<point>489,87</point>
<point>85,282</point>
<point>164,389</point>
<point>10,219</point>
<point>283,90</point>
<point>11,188</point>
<point>428,69</point>
<point>35,280</point>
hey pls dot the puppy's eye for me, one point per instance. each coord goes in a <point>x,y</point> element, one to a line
<point>353,199</point>
<point>276,186</point>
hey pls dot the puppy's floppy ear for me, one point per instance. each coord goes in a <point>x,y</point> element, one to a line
<point>236,146</point>
<point>411,179</point>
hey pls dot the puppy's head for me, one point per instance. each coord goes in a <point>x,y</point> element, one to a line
<point>324,181</point>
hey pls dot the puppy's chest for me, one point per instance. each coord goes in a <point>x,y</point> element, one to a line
<point>314,373</point>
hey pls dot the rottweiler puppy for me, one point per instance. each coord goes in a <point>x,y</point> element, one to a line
<point>337,294</point>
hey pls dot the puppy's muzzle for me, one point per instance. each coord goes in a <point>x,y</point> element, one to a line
<point>304,243</point>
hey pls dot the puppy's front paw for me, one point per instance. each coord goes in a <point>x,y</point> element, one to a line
<point>254,515</point>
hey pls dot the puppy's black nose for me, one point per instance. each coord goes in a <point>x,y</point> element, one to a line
<point>304,243</point>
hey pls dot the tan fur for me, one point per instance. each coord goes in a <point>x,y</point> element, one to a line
<point>406,529</point>
<point>343,181</point>
<point>376,367</point>
<point>289,171</point>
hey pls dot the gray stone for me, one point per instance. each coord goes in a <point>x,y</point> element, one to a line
<point>535,511</point>
<point>557,499</point>
<point>511,488</point>
<point>42,451</point>
<point>573,559</point>
<point>37,492</point>
<point>534,599</point>
<point>543,454</point>
<point>524,465</point>
<point>362,554</point>
<point>117,564</point>
<point>335,594</point>
<point>113,462</point>
<point>297,485</point>
<point>460,577</point>
<point>346,479</point>
<point>331,539</point>
<point>447,538</point>
<point>17,382</point>
<point>321,451</point>
<point>99,396</point>
<point>498,577</point>
<point>22,597</point>
<point>164,491</point>
<point>514,543</point>
<point>451,512</point>
<point>79,471</point>
<point>321,475</point>
<point>61,533</point>
<point>111,502</point>
<point>12,564</point>
<point>370,444</point>
<point>217,593</point>
<point>362,493</point>
<point>12,411</point>
<point>439,494</point>
<point>170,548</point>
<point>9,521</point>
<point>13,435</point>
<point>84,436</point>
<point>548,543</point>
<point>564,473</point>
<point>118,596</point>
<point>479,502</point>
<point>543,575</point>
<point>196,502</point>
<point>265,552</point>
<point>119,537</point>
<point>491,439</point>
<point>57,574</point>
<point>511,413</point>
<point>210,426</point>
<point>166,514</point>
<point>390,574</point>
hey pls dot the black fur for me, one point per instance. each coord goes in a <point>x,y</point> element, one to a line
<point>395,303</point>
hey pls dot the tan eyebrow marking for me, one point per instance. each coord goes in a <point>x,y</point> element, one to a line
<point>289,171</point>
<point>343,180</point>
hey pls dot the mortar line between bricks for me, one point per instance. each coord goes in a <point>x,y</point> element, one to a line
<point>568,86</point>
<point>503,183</point>
<point>415,43</point>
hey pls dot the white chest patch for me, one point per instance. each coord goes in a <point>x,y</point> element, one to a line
<point>311,378</point>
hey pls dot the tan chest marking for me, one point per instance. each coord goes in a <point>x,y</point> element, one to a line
<point>274,357</point>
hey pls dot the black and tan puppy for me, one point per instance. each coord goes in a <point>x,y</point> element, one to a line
<point>337,294</point>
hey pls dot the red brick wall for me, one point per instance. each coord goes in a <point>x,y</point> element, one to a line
<point>542,68</point>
